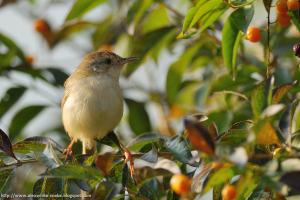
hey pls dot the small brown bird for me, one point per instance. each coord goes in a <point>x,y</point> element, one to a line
<point>92,104</point>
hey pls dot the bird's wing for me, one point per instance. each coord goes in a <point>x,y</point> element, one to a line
<point>66,93</point>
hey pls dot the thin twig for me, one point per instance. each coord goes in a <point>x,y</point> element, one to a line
<point>269,67</point>
<point>178,14</point>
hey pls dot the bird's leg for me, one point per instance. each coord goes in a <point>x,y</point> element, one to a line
<point>68,151</point>
<point>128,157</point>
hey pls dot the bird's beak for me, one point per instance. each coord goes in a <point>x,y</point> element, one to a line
<point>129,59</point>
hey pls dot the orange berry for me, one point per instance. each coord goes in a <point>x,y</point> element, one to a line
<point>281,6</point>
<point>229,192</point>
<point>176,111</point>
<point>180,184</point>
<point>216,165</point>
<point>29,59</point>
<point>283,19</point>
<point>253,34</point>
<point>41,26</point>
<point>293,4</point>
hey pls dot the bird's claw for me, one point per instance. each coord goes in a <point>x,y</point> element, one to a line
<point>129,157</point>
<point>68,152</point>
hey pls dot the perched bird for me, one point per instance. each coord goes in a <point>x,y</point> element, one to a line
<point>92,104</point>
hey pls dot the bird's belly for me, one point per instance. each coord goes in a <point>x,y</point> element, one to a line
<point>92,114</point>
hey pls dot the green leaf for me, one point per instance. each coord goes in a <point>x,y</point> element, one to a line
<point>219,177</point>
<point>49,157</point>
<point>246,185</point>
<point>295,19</point>
<point>203,9</point>
<point>12,95</point>
<point>81,7</point>
<point>75,171</point>
<point>58,76</point>
<point>141,45</point>
<point>45,140</point>
<point>137,11</point>
<point>138,117</point>
<point>178,146</point>
<point>242,17</point>
<point>141,140</point>
<point>125,175</point>
<point>190,15</point>
<point>150,156</point>
<point>150,189</point>
<point>204,12</point>
<point>156,19</point>
<point>26,147</point>
<point>233,138</point>
<point>232,35</point>
<point>21,119</point>
<point>262,96</point>
<point>296,140</point>
<point>166,40</point>
<point>48,186</point>
<point>222,118</point>
<point>12,47</point>
<point>5,176</point>
<point>107,190</point>
<point>209,18</point>
<point>176,71</point>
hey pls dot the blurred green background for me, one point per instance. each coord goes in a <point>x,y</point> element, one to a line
<point>41,42</point>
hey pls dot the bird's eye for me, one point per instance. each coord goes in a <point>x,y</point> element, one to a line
<point>107,61</point>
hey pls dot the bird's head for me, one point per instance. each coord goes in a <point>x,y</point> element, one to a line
<point>104,63</point>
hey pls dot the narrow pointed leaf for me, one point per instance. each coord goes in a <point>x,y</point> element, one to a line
<point>151,156</point>
<point>12,95</point>
<point>81,7</point>
<point>232,35</point>
<point>22,118</point>
<point>75,171</point>
<point>179,148</point>
<point>5,176</point>
<point>138,117</point>
<point>261,97</point>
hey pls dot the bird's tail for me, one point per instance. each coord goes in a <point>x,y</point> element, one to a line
<point>89,146</point>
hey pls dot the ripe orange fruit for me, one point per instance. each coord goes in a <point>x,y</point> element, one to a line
<point>181,184</point>
<point>41,26</point>
<point>283,19</point>
<point>29,59</point>
<point>281,6</point>
<point>253,34</point>
<point>229,192</point>
<point>293,4</point>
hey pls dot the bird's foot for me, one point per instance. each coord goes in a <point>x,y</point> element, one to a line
<point>68,151</point>
<point>129,157</point>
